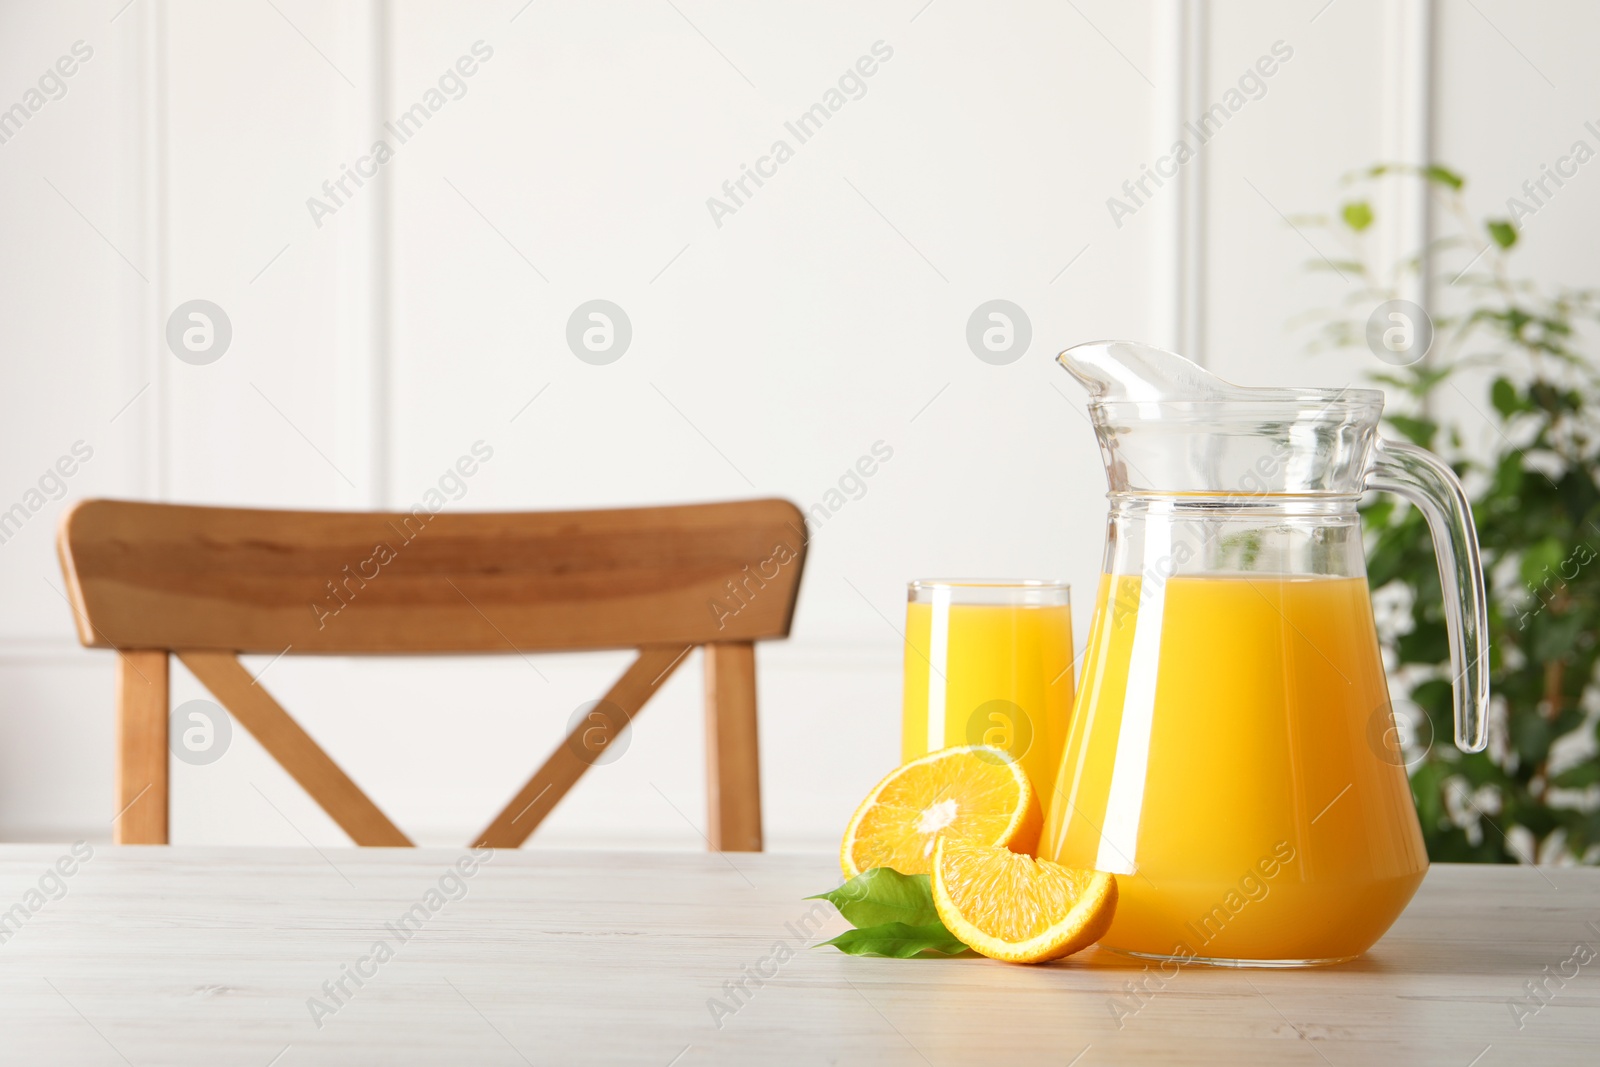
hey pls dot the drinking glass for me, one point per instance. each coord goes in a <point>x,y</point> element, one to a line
<point>989,663</point>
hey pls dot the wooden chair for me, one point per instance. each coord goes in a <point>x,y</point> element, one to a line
<point>209,583</point>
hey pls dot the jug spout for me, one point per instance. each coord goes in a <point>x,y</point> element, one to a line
<point>1127,370</point>
<point>1167,425</point>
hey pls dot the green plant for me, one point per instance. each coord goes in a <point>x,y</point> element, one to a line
<point>1507,355</point>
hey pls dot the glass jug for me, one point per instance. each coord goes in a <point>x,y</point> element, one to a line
<point>1230,755</point>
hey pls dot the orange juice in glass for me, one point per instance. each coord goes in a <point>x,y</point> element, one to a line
<point>989,663</point>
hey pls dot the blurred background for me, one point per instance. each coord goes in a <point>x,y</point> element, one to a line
<point>540,155</point>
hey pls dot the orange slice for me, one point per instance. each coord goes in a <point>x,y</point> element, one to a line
<point>969,793</point>
<point>1016,908</point>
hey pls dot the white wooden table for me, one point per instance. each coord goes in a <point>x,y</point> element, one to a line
<point>213,956</point>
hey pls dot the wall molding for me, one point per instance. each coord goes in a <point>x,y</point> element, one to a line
<point>35,650</point>
<point>1408,134</point>
<point>364,272</point>
<point>152,95</point>
<point>794,652</point>
<point>1182,45</point>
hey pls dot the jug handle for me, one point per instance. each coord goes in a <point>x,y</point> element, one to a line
<point>1428,482</point>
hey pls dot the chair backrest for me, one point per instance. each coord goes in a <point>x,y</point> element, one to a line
<point>208,583</point>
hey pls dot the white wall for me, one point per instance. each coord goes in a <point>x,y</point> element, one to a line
<point>769,352</point>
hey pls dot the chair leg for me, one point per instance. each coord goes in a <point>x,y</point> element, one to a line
<point>733,765</point>
<point>142,712</point>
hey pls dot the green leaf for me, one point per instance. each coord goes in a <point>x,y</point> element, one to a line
<point>1394,380</point>
<point>1357,215</point>
<point>1504,397</point>
<point>1420,431</point>
<point>884,895</point>
<point>1530,735</point>
<point>1435,697</point>
<point>1338,266</point>
<point>1508,476</point>
<point>1503,232</point>
<point>899,941</point>
<point>1444,176</point>
<point>1540,564</point>
<point>1436,174</point>
<point>1427,787</point>
<point>1428,643</point>
<point>1580,777</point>
<point>1556,638</point>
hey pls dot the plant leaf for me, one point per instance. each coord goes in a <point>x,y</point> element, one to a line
<point>1504,234</point>
<point>1420,431</point>
<point>1357,215</point>
<point>1437,174</point>
<point>884,895</point>
<point>899,941</point>
<point>1580,777</point>
<point>1540,562</point>
<point>1338,266</point>
<point>1444,176</point>
<point>1504,397</point>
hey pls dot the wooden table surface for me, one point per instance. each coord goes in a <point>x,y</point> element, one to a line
<point>219,956</point>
